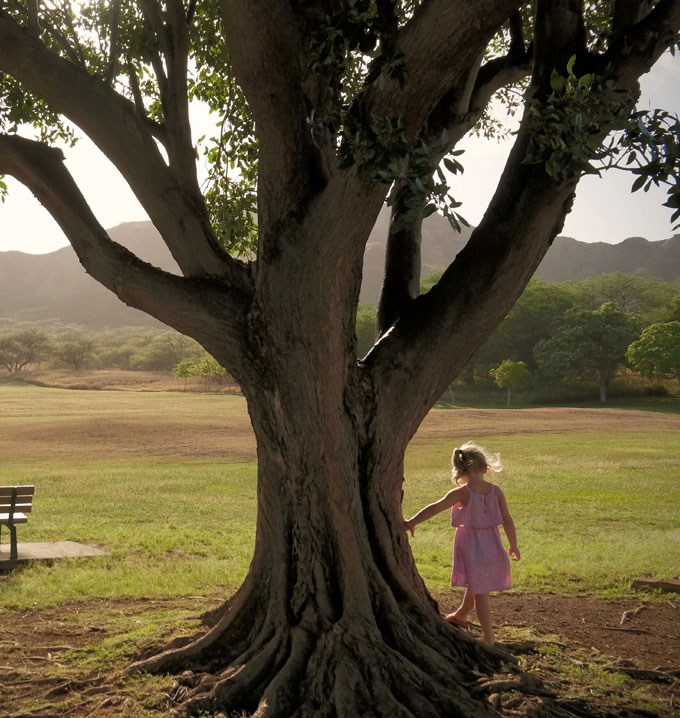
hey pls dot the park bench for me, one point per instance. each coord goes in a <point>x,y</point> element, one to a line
<point>15,503</point>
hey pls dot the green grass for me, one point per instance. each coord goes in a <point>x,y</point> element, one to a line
<point>170,529</point>
<point>592,510</point>
<point>493,400</point>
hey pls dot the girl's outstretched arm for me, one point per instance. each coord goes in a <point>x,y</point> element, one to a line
<point>453,497</point>
<point>508,525</point>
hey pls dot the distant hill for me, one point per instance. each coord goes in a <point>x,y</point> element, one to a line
<point>55,286</point>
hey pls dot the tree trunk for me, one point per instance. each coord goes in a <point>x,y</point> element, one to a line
<point>603,389</point>
<point>333,618</point>
<point>508,397</point>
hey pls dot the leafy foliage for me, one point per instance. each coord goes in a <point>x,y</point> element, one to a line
<point>511,375</point>
<point>587,344</point>
<point>19,348</point>
<point>657,351</point>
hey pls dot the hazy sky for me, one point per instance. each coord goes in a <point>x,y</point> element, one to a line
<point>604,211</point>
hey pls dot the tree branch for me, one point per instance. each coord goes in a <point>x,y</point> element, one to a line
<point>113,47</point>
<point>485,279</point>
<point>113,124</point>
<point>634,50</point>
<point>185,304</point>
<point>401,283</point>
<point>460,109</point>
<point>264,45</point>
<point>629,12</point>
<point>440,45</point>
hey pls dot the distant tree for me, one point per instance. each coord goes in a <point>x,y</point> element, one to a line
<point>533,317</point>
<point>211,371</point>
<point>645,298</point>
<point>511,375</point>
<point>657,351</point>
<point>21,348</point>
<point>588,344</point>
<point>165,351</point>
<point>75,350</point>
<point>120,357</point>
<point>673,314</point>
<point>185,370</point>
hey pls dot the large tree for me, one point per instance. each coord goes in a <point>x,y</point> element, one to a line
<point>329,106</point>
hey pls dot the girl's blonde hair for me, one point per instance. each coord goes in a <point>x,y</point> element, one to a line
<point>471,457</point>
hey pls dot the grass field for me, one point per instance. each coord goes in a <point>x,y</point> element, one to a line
<point>165,483</point>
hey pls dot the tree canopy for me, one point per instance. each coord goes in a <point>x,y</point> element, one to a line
<point>657,351</point>
<point>588,343</point>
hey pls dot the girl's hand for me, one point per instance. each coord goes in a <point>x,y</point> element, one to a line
<point>513,552</point>
<point>409,527</point>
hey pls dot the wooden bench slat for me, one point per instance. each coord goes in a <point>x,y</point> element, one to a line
<point>24,508</point>
<point>6,491</point>
<point>17,518</point>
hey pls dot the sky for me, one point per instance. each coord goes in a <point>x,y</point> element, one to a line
<point>604,210</point>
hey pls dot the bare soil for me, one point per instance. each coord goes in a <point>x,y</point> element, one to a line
<point>37,679</point>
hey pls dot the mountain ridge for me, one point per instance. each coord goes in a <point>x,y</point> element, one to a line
<point>55,286</point>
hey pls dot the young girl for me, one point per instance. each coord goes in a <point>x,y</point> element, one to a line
<point>480,563</point>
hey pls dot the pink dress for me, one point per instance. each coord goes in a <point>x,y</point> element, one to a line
<point>480,563</point>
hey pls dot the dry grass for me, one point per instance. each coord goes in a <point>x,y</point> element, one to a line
<point>116,380</point>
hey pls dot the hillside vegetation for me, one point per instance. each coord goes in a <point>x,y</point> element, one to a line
<point>559,343</point>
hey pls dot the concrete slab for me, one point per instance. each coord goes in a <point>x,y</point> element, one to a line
<point>46,552</point>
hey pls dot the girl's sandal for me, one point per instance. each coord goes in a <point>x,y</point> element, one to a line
<point>456,621</point>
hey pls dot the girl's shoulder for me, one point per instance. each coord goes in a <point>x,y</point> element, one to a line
<point>459,495</point>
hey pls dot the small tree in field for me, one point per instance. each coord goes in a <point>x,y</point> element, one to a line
<point>211,371</point>
<point>185,370</point>
<point>74,349</point>
<point>511,375</point>
<point>20,348</point>
<point>657,351</point>
<point>327,109</point>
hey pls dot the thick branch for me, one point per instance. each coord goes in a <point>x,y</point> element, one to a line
<point>486,278</point>
<point>264,45</point>
<point>112,122</point>
<point>559,34</point>
<point>633,51</point>
<point>185,304</point>
<point>457,113</point>
<point>401,283</point>
<point>441,45</point>
<point>628,12</point>
<point>172,32</point>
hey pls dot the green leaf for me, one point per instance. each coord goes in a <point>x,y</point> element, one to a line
<point>570,65</point>
<point>556,82</point>
<point>638,183</point>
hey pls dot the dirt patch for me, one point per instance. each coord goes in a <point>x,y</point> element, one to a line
<point>650,637</point>
<point>40,678</point>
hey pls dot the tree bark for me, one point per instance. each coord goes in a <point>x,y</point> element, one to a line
<point>603,389</point>
<point>333,619</point>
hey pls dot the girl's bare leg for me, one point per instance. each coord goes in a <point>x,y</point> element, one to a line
<point>483,610</point>
<point>461,613</point>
